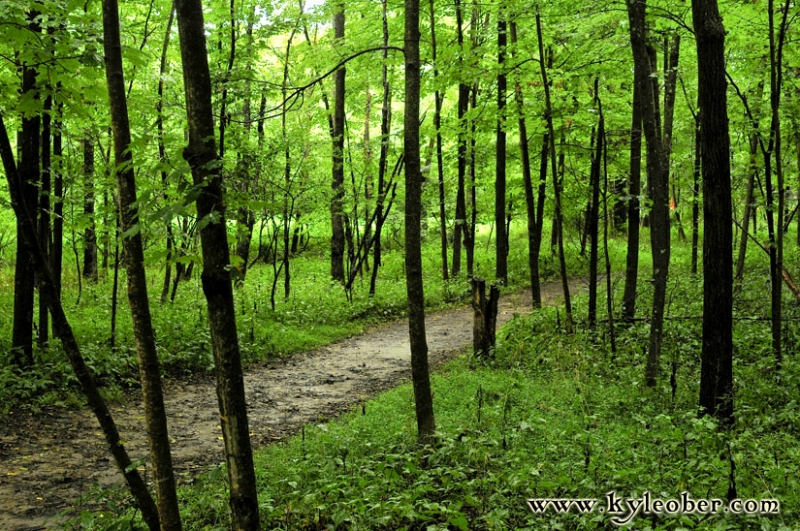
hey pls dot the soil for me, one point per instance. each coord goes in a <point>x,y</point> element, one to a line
<point>49,461</point>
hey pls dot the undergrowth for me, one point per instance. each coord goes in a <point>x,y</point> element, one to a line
<point>551,416</point>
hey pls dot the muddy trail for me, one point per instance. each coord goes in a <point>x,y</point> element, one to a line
<point>50,461</point>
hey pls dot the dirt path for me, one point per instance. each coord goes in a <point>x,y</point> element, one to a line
<point>48,461</point>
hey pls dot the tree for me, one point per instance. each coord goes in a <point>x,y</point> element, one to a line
<point>634,189</point>
<point>534,207</point>
<point>501,244</point>
<point>89,234</point>
<point>150,372</point>
<point>437,124</point>
<point>716,378</point>
<point>420,375</point>
<point>22,334</point>
<point>558,221</point>
<point>337,132</point>
<point>657,179</point>
<point>201,154</point>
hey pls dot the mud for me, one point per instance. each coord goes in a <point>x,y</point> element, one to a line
<point>50,461</point>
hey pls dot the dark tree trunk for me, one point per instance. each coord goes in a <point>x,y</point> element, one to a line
<point>634,189</point>
<point>437,124</point>
<point>150,373</point>
<point>25,219</point>
<point>337,131</point>
<point>671,58</point>
<point>657,181</point>
<point>57,253</point>
<point>24,280</point>
<point>612,334</point>
<point>559,221</point>
<point>162,153</point>
<point>696,170</point>
<point>386,120</point>
<point>463,106</point>
<point>288,199</point>
<point>534,214</point>
<point>44,212</point>
<point>469,231</point>
<point>716,377</point>
<point>484,322</point>
<point>420,376</point>
<point>775,227</point>
<point>201,154</point>
<point>89,234</point>
<point>748,207</point>
<point>594,211</point>
<point>501,245</point>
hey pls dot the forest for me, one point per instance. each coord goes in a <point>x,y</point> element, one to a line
<point>441,265</point>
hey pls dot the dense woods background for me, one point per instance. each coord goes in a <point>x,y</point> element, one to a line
<point>309,167</point>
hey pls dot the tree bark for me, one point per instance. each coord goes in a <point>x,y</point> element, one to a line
<point>57,253</point>
<point>752,169</point>
<point>559,222</point>
<point>44,211</point>
<point>383,158</point>
<point>89,234</point>
<point>594,210</point>
<point>162,152</point>
<point>201,154</point>
<point>534,214</point>
<point>150,373</point>
<point>634,190</point>
<point>24,281</point>
<point>337,131</point>
<point>484,324</point>
<point>696,172</point>
<point>420,376</point>
<point>463,106</point>
<point>501,240</point>
<point>437,124</point>
<point>716,376</point>
<point>657,180</point>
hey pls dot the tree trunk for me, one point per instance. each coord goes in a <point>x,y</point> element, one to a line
<point>752,170</point>
<point>150,373</point>
<point>22,332</point>
<point>657,180</point>
<point>44,212</point>
<point>437,124</point>
<point>386,120</point>
<point>501,241</point>
<point>89,234</point>
<point>463,106</point>
<point>469,232</point>
<point>201,154</point>
<point>420,376</point>
<point>57,253</point>
<point>775,228</point>
<point>594,210</point>
<point>162,153</point>
<point>337,131</point>
<point>696,170</point>
<point>534,214</point>
<point>556,188</point>
<point>716,376</point>
<point>484,322</point>
<point>634,190</point>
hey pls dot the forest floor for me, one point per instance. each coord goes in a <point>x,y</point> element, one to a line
<point>50,461</point>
